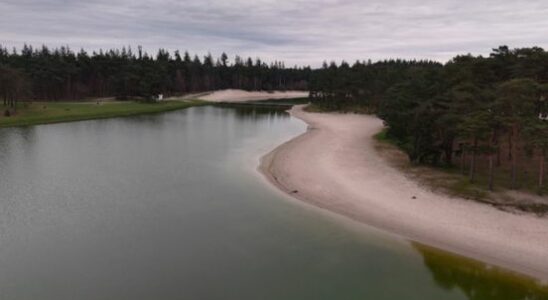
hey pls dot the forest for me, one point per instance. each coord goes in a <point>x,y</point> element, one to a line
<point>484,115</point>
<point>61,74</point>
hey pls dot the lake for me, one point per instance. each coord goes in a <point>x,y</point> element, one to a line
<point>171,206</point>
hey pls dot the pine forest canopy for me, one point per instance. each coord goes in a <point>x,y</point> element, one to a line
<point>469,107</point>
<point>61,74</point>
<point>490,107</point>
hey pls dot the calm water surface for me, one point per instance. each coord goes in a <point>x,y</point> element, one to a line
<point>170,206</point>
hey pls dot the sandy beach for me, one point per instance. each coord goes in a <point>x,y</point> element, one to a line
<point>232,95</point>
<point>334,165</point>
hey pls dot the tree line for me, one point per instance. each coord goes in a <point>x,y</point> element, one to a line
<point>473,109</point>
<point>62,74</point>
<point>472,112</point>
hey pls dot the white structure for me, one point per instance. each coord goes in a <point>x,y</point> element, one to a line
<point>158,98</point>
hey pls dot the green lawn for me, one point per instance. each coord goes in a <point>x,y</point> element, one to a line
<point>55,112</point>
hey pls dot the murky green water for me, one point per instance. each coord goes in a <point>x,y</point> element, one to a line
<point>170,207</point>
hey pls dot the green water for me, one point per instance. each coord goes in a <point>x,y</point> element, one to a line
<point>170,206</point>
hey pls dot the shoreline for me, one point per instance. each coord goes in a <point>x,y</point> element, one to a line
<point>326,167</point>
<point>235,96</point>
<point>64,112</point>
<point>39,113</point>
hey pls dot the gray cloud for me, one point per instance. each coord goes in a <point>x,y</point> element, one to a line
<point>296,31</point>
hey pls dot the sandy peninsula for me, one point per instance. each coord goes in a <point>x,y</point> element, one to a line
<point>334,165</point>
<point>232,95</point>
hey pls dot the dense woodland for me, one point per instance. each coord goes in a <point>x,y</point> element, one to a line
<point>475,112</point>
<point>479,113</point>
<point>60,74</point>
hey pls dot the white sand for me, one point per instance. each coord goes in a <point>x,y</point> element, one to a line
<point>242,96</point>
<point>334,166</point>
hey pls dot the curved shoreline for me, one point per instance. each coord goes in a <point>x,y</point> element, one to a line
<point>234,95</point>
<point>334,166</point>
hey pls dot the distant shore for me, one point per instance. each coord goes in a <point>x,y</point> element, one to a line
<point>36,113</point>
<point>334,165</point>
<point>232,95</point>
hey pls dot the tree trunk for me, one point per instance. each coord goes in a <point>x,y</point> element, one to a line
<point>473,161</point>
<point>463,161</point>
<point>491,163</point>
<point>541,170</point>
<point>498,156</point>
<point>510,144</point>
<point>492,154</point>
<point>449,152</point>
<point>514,157</point>
<point>497,147</point>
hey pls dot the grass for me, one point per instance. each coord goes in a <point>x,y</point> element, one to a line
<point>382,136</point>
<point>56,112</point>
<point>450,180</point>
<point>313,108</point>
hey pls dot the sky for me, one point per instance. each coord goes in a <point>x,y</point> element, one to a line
<point>298,32</point>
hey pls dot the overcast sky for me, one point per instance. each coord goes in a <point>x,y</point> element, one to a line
<point>304,32</point>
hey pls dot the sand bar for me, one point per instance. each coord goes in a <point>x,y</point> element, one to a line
<point>335,166</point>
<point>243,96</point>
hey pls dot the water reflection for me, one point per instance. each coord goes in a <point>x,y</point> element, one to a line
<point>256,111</point>
<point>477,280</point>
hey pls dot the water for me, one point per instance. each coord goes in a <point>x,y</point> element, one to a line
<point>170,206</point>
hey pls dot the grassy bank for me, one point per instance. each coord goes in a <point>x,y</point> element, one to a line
<point>55,112</point>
